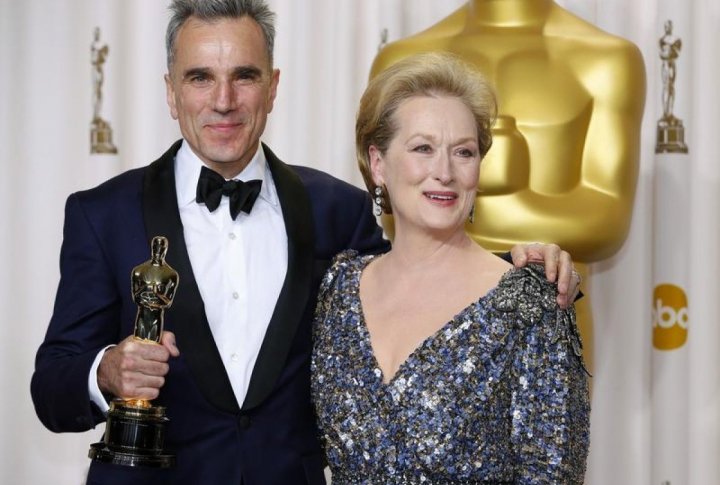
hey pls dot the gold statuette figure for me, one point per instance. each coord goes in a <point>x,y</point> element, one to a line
<point>153,288</point>
<point>134,432</point>
<point>565,156</point>
<point>100,131</point>
<point>670,130</point>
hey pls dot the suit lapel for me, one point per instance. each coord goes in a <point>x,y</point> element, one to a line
<point>186,317</point>
<point>292,302</point>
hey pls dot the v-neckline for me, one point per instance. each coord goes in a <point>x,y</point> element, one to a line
<point>429,339</point>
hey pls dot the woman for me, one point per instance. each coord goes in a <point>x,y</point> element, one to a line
<point>438,362</point>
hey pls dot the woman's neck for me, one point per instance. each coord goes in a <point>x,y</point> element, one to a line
<point>418,250</point>
<point>530,14</point>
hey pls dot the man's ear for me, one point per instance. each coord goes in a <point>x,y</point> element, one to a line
<point>272,91</point>
<point>170,96</point>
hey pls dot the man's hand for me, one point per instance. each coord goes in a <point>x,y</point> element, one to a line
<point>135,369</point>
<point>558,266</point>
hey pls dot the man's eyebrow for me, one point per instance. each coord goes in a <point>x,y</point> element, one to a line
<point>196,71</point>
<point>247,71</point>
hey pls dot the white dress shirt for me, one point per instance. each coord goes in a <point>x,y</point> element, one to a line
<point>239,267</point>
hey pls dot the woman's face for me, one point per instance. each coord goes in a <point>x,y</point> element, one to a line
<point>432,164</point>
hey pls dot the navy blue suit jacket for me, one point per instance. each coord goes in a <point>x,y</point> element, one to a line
<point>270,438</point>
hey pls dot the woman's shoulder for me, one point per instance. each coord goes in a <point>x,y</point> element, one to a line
<point>525,297</point>
<point>525,292</point>
<point>350,259</point>
<point>340,280</point>
<point>343,265</point>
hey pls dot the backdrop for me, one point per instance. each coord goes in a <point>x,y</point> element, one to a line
<point>655,304</point>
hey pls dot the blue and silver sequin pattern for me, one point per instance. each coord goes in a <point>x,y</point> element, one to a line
<point>497,395</point>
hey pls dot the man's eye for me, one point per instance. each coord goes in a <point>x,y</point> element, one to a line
<point>248,75</point>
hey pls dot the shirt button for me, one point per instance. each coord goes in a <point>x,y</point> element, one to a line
<point>235,295</point>
<point>234,357</point>
<point>231,235</point>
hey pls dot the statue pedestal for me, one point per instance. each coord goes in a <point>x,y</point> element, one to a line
<point>134,436</point>
<point>670,136</point>
<point>101,137</point>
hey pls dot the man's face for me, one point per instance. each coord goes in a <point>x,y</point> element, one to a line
<point>220,89</point>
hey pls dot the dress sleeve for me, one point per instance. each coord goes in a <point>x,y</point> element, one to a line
<point>550,400</point>
<point>326,293</point>
<point>324,337</point>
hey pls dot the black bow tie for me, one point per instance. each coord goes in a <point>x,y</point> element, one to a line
<point>212,186</point>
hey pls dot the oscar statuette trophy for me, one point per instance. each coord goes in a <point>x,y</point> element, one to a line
<point>100,130</point>
<point>670,129</point>
<point>135,429</point>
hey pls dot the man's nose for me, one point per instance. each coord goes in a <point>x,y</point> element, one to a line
<point>224,96</point>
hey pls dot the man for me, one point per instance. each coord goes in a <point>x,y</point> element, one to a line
<point>236,385</point>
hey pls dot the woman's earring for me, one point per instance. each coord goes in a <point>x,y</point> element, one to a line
<point>471,216</point>
<point>377,208</point>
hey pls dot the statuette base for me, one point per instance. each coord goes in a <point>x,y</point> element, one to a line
<point>670,136</point>
<point>134,436</point>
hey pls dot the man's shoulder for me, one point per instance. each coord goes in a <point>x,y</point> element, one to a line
<point>125,183</point>
<point>316,180</point>
<point>129,181</point>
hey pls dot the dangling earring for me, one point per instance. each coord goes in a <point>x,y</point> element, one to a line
<point>377,208</point>
<point>471,216</point>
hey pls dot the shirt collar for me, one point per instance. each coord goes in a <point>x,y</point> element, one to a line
<point>187,173</point>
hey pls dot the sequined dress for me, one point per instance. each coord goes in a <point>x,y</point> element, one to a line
<point>497,395</point>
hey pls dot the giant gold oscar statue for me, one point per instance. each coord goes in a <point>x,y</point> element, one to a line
<point>564,161</point>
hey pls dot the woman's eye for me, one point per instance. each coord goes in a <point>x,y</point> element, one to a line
<point>422,149</point>
<point>465,152</point>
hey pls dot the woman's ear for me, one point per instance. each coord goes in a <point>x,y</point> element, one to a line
<point>377,165</point>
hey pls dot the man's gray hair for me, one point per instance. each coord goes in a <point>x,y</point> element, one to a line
<point>211,10</point>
